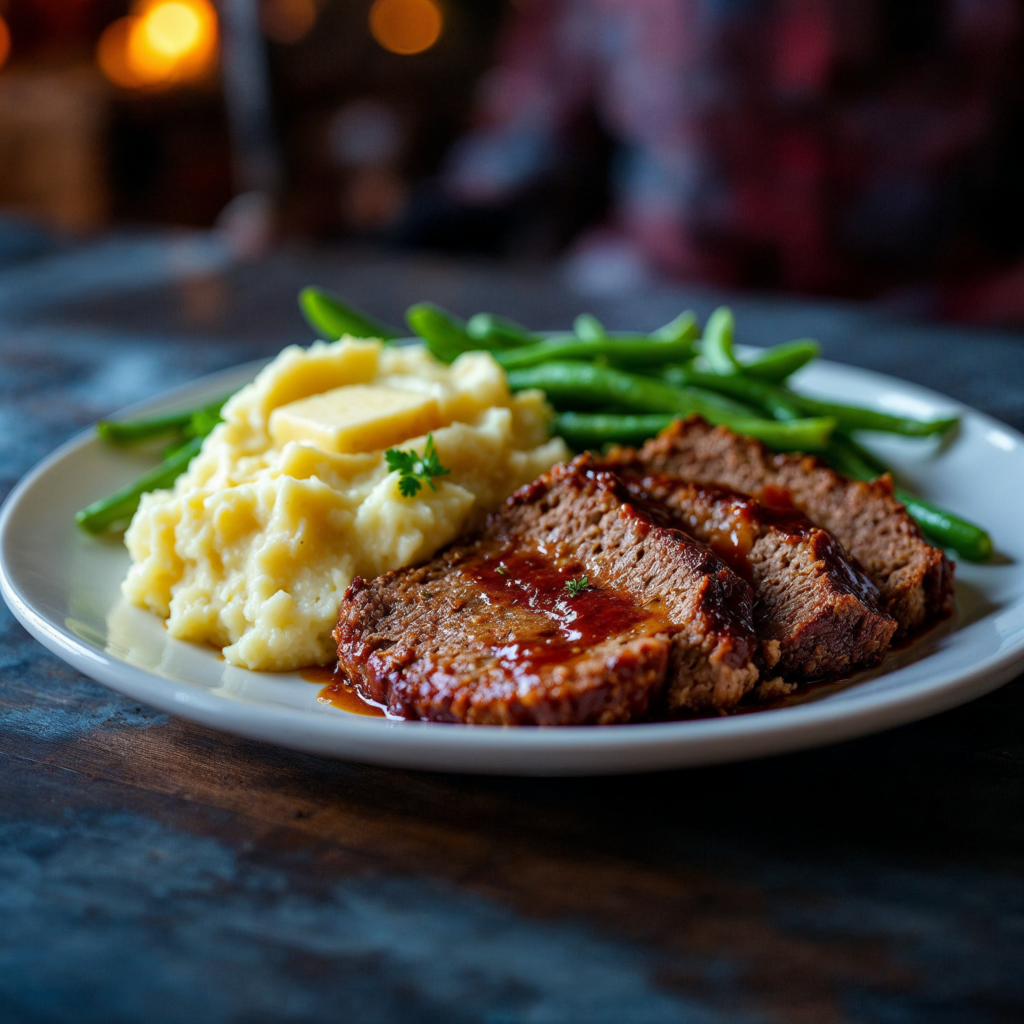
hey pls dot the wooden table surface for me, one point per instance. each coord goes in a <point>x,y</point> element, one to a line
<point>153,870</point>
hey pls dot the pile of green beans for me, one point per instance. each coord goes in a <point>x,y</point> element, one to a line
<point>607,388</point>
<point>182,435</point>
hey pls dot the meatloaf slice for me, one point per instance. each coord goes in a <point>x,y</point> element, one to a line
<point>914,578</point>
<point>816,613</point>
<point>487,632</point>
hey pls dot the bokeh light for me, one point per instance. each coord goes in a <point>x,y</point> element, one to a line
<point>5,42</point>
<point>406,26</point>
<point>163,42</point>
<point>287,21</point>
<point>112,55</point>
<point>173,29</point>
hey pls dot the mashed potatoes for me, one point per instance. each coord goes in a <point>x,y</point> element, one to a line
<point>254,547</point>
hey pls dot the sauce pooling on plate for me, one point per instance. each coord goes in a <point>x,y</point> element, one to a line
<point>336,692</point>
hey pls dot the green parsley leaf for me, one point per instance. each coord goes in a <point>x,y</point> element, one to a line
<point>399,460</point>
<point>408,486</point>
<point>576,587</point>
<point>415,470</point>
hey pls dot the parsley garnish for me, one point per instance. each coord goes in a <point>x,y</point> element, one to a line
<point>414,469</point>
<point>501,570</point>
<point>576,587</point>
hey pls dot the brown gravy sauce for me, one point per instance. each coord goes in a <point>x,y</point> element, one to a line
<point>336,691</point>
<point>577,623</point>
<point>726,521</point>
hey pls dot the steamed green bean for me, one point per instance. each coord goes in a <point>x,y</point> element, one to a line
<point>493,331</point>
<point>631,352</point>
<point>125,432</point>
<point>569,385</point>
<point>717,344</point>
<point>781,361</point>
<point>853,417</point>
<point>333,318</point>
<point>117,509</point>
<point>594,430</point>
<point>770,398</point>
<point>442,332</point>
<point>785,403</point>
<point>684,326</point>
<point>588,328</point>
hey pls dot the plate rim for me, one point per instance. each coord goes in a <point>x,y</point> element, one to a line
<point>483,749</point>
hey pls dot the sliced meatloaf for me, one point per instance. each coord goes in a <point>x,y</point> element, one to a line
<point>488,632</point>
<point>816,613</point>
<point>914,578</point>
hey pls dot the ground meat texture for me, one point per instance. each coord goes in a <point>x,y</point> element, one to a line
<point>816,612</point>
<point>488,633</point>
<point>914,579</point>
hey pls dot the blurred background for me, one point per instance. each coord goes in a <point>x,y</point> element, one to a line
<point>859,148</point>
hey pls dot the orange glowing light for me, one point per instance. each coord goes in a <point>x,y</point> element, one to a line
<point>112,55</point>
<point>406,26</point>
<point>148,64</point>
<point>287,21</point>
<point>5,42</point>
<point>161,43</point>
<point>173,29</point>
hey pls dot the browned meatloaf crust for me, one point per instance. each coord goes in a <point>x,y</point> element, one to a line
<point>914,578</point>
<point>487,632</point>
<point>816,613</point>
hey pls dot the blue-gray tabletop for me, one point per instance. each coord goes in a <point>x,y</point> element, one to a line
<point>154,870</point>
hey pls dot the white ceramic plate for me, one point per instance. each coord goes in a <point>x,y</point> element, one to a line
<point>64,588</point>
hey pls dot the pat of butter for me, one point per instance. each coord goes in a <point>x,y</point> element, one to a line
<point>355,418</point>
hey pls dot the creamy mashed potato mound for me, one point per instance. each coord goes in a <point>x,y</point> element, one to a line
<point>253,548</point>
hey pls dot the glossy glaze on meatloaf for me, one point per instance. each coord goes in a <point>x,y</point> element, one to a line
<point>914,578</point>
<point>487,632</point>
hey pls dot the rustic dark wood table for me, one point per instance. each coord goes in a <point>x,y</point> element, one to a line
<point>153,870</point>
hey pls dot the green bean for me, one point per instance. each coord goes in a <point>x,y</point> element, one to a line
<point>806,435</point>
<point>571,384</point>
<point>966,538</point>
<point>444,334</point>
<point>847,458</point>
<point>117,509</point>
<point>204,420</point>
<point>628,352</point>
<point>122,432</point>
<point>868,464</point>
<point>594,430</point>
<point>766,396</point>
<point>566,382</point>
<point>333,318</point>
<point>683,327</point>
<point>717,346</point>
<point>783,403</point>
<point>174,447</point>
<point>852,417</point>
<point>202,423</point>
<point>723,403</point>
<point>680,333</point>
<point>781,361</point>
<point>493,331</point>
<point>587,327</point>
